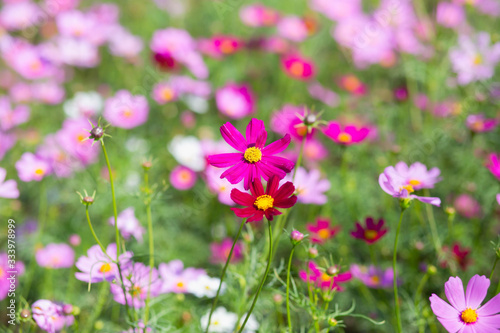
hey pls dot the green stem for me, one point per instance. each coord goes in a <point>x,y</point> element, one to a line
<point>373,256</point>
<point>223,274</point>
<point>395,276</point>
<point>432,224</point>
<point>151,245</point>
<point>263,277</point>
<point>94,234</point>
<point>493,269</point>
<point>299,159</point>
<point>288,290</point>
<point>498,288</point>
<point>420,288</point>
<point>103,293</point>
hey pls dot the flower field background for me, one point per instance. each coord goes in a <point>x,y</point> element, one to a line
<point>263,167</point>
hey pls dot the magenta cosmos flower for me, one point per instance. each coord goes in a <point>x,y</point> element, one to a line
<point>399,186</point>
<point>126,110</point>
<point>298,67</point>
<point>465,314</point>
<point>220,251</point>
<point>253,160</point>
<point>321,279</point>
<point>260,203</point>
<point>494,165</point>
<point>235,100</point>
<point>479,123</point>
<point>8,188</point>
<point>372,232</point>
<point>5,273</point>
<point>346,135</point>
<point>258,15</point>
<point>182,178</point>
<point>322,230</point>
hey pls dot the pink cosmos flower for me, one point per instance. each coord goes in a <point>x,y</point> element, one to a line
<point>220,186</point>
<point>50,316</point>
<point>337,10</point>
<point>400,186</point>
<point>172,47</point>
<point>417,175</point>
<point>7,141</point>
<point>123,44</point>
<point>128,224</point>
<point>31,167</point>
<point>72,138</point>
<point>258,15</point>
<point>465,314</point>
<point>77,52</point>
<point>182,178</point>
<point>55,7</point>
<point>353,85</point>
<point>323,94</point>
<point>136,282</point>
<point>474,59</point>
<point>55,256</point>
<point>372,232</point>
<point>98,267</point>
<point>494,165</point>
<point>74,240</point>
<point>220,251</point>
<point>75,23</point>
<point>126,110</point>
<point>48,93</point>
<point>289,120</point>
<point>346,135</point>
<point>298,67</point>
<point>450,15</point>
<point>235,100</point>
<point>20,92</point>
<point>12,117</point>
<point>220,45</point>
<point>373,277</point>
<point>467,206</point>
<point>187,85</point>
<point>8,188</point>
<point>479,123</point>
<point>253,159</point>
<point>175,278</point>
<point>27,60</point>
<point>310,188</point>
<point>20,15</point>
<point>321,279</point>
<point>164,92</point>
<point>61,163</point>
<point>292,28</point>
<point>5,273</point>
<point>321,231</point>
<point>259,203</point>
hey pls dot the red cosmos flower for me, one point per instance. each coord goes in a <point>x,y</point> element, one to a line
<point>260,203</point>
<point>322,279</point>
<point>459,254</point>
<point>254,160</point>
<point>348,135</point>
<point>373,231</point>
<point>321,231</point>
<point>298,67</point>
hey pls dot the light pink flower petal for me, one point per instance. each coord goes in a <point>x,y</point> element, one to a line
<point>446,314</point>
<point>488,324</point>
<point>476,291</point>
<point>491,307</point>
<point>454,290</point>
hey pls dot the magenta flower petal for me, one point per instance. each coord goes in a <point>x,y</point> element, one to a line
<point>490,308</point>
<point>277,146</point>
<point>476,291</point>
<point>233,137</point>
<point>224,160</point>
<point>279,162</point>
<point>285,191</point>
<point>244,212</point>
<point>268,170</point>
<point>235,173</point>
<point>454,291</point>
<point>241,198</point>
<point>258,216</point>
<point>254,129</point>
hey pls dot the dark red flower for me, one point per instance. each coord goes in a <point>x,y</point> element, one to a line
<point>372,232</point>
<point>259,202</point>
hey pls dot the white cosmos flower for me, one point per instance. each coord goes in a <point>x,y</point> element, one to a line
<point>205,286</point>
<point>222,321</point>
<point>187,151</point>
<point>86,104</point>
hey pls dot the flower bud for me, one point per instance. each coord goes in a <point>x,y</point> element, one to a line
<point>96,133</point>
<point>277,298</point>
<point>296,237</point>
<point>404,203</point>
<point>147,165</point>
<point>332,322</point>
<point>332,270</point>
<point>68,309</point>
<point>431,269</point>
<point>25,313</point>
<point>313,252</point>
<point>88,200</point>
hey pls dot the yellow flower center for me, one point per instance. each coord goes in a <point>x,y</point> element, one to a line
<point>375,279</point>
<point>325,277</point>
<point>264,202</point>
<point>36,65</point>
<point>39,172</point>
<point>324,234</point>
<point>2,273</point>
<point>409,188</point>
<point>414,182</point>
<point>226,47</point>
<point>478,60</point>
<point>469,316</point>
<point>370,234</point>
<point>478,125</point>
<point>253,154</point>
<point>135,291</point>
<point>127,113</point>
<point>167,94</point>
<point>344,137</point>
<point>105,268</point>
<point>185,176</point>
<point>180,284</point>
<point>297,68</point>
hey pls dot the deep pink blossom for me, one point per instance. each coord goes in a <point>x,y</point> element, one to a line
<point>493,165</point>
<point>479,123</point>
<point>235,100</point>
<point>321,279</point>
<point>298,67</point>
<point>321,230</point>
<point>253,159</point>
<point>220,251</point>
<point>182,178</point>
<point>467,206</point>
<point>346,135</point>
<point>370,233</point>
<point>289,120</point>
<point>465,314</point>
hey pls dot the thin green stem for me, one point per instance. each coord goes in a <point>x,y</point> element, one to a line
<point>115,210</point>
<point>494,266</point>
<point>288,314</point>
<point>498,288</point>
<point>420,288</point>
<point>263,277</point>
<point>151,244</point>
<point>223,274</point>
<point>432,224</point>
<point>103,296</point>
<point>395,276</point>
<point>94,234</point>
<point>299,159</point>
